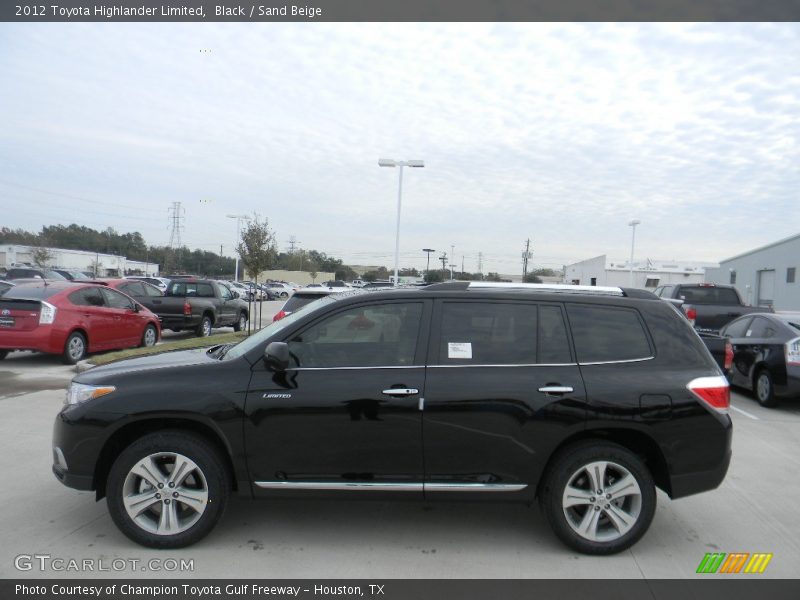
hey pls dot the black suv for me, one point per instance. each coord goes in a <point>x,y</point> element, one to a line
<point>583,398</point>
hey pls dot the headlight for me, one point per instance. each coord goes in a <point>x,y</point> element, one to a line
<point>77,393</point>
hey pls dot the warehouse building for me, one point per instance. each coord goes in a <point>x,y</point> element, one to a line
<point>647,274</point>
<point>765,276</point>
<point>108,265</point>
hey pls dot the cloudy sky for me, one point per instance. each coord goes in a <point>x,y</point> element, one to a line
<point>556,132</point>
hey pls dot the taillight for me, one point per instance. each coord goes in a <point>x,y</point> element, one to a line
<point>187,308</point>
<point>714,391</point>
<point>278,316</point>
<point>47,314</point>
<point>728,355</point>
<point>691,314</point>
<point>793,352</point>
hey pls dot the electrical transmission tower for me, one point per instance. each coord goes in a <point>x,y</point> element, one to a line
<point>176,216</point>
<point>292,243</point>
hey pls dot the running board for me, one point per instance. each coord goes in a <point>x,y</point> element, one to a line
<point>391,487</point>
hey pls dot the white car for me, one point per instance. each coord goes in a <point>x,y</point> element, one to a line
<point>160,282</point>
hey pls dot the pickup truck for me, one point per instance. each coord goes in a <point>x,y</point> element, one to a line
<point>708,306</point>
<point>199,305</point>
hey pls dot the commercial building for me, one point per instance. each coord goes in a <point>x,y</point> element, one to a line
<point>765,276</point>
<point>647,273</point>
<point>107,265</point>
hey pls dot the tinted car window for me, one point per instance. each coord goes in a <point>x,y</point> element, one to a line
<point>89,296</point>
<point>488,333</point>
<point>33,292</point>
<point>738,328</point>
<point>151,290</point>
<point>603,333</point>
<point>200,290</point>
<point>761,328</point>
<point>553,340</point>
<point>366,336</point>
<point>134,288</point>
<point>299,300</point>
<point>709,295</point>
<point>116,300</point>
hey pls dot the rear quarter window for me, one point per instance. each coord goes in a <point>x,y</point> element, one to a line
<point>607,334</point>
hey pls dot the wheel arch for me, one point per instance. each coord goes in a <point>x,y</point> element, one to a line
<point>130,432</point>
<point>636,441</point>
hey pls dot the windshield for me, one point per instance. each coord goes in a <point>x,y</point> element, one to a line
<point>254,340</point>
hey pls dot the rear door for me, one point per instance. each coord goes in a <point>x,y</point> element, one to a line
<point>502,389</point>
<point>89,306</point>
<point>127,324</point>
<point>736,333</point>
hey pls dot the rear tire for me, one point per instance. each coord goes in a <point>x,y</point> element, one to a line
<point>764,389</point>
<point>157,510</point>
<point>204,329</point>
<point>74,349</point>
<point>3,354</point>
<point>598,497</point>
<point>241,323</point>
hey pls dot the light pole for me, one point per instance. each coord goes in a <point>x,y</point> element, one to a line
<point>388,162</point>
<point>632,224</point>
<point>428,266</point>
<point>238,236</point>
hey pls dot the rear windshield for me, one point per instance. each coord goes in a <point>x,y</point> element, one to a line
<point>33,292</point>
<point>708,295</point>
<point>298,301</point>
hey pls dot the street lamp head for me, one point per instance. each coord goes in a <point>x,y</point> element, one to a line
<point>387,162</point>
<point>416,163</point>
<point>428,250</point>
<point>634,222</point>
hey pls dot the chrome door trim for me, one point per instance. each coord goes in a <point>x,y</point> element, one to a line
<point>354,368</point>
<point>512,365</point>
<point>391,487</point>
<point>556,389</point>
<point>474,487</point>
<point>344,485</point>
<point>616,362</point>
<point>400,392</point>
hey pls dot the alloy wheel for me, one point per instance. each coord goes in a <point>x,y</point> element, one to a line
<point>165,493</point>
<point>602,501</point>
<point>76,348</point>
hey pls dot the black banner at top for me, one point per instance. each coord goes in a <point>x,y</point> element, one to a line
<point>266,11</point>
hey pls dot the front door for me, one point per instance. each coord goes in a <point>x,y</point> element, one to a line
<point>346,414</point>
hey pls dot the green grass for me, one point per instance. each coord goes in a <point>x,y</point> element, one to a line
<point>187,344</point>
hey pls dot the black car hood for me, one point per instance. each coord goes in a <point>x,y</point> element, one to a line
<point>198,356</point>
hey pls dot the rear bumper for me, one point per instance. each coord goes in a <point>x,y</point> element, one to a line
<point>701,481</point>
<point>179,322</point>
<point>42,339</point>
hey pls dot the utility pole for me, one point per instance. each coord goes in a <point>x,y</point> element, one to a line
<point>443,258</point>
<point>462,265</point>
<point>452,266</point>
<point>525,256</point>
<point>480,265</point>
<point>176,215</point>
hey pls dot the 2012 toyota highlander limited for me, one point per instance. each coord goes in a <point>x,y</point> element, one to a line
<point>585,398</point>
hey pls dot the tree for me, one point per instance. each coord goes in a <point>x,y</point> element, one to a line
<point>312,270</point>
<point>433,276</point>
<point>531,278</point>
<point>257,246</point>
<point>41,257</point>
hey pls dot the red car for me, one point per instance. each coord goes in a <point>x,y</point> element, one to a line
<point>72,319</point>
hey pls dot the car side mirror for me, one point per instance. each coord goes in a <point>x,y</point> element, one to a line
<point>276,356</point>
<point>136,308</point>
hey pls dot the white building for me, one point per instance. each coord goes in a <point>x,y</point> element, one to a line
<point>646,273</point>
<point>108,265</point>
<point>765,276</point>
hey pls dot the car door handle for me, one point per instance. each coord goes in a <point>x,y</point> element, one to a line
<point>556,389</point>
<point>401,391</point>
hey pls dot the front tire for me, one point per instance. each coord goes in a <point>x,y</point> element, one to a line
<point>598,497</point>
<point>765,389</point>
<point>74,349</point>
<point>167,489</point>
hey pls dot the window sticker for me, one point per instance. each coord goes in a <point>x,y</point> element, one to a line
<point>749,332</point>
<point>459,350</point>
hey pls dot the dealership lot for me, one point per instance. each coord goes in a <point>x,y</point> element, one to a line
<point>753,511</point>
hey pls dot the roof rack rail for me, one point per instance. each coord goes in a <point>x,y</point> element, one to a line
<point>538,287</point>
